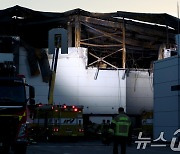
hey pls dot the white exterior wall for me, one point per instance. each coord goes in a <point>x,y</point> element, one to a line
<point>139,92</point>
<point>75,85</point>
<point>166,102</point>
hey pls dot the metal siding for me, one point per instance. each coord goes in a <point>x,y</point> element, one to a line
<point>166,102</point>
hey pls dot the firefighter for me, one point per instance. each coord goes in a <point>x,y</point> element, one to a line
<point>103,126</point>
<point>104,132</point>
<point>120,127</point>
<point>108,136</point>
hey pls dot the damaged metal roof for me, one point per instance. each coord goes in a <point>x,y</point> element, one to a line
<point>28,14</point>
<point>101,33</point>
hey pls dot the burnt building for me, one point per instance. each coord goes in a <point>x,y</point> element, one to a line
<point>122,44</point>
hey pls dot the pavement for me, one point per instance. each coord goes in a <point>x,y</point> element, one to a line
<point>150,150</point>
<point>96,147</point>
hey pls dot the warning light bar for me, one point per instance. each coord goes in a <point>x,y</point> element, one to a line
<point>81,130</point>
<point>55,129</point>
<point>65,107</point>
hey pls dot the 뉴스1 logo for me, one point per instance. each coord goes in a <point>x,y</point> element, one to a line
<point>144,141</point>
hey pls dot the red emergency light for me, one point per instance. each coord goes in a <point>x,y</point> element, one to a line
<point>75,109</point>
<point>64,106</point>
<point>40,105</point>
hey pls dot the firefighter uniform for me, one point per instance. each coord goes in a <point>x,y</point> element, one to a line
<point>120,126</point>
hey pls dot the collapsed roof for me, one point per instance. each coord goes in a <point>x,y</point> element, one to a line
<point>104,34</point>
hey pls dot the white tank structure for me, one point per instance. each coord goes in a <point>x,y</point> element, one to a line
<point>75,85</point>
<point>139,92</point>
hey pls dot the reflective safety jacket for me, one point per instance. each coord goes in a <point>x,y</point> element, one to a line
<point>120,125</point>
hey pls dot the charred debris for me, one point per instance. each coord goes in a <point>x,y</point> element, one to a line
<point>115,40</point>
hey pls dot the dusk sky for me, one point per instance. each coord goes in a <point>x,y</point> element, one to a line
<point>143,6</point>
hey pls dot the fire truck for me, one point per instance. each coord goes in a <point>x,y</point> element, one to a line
<point>57,121</point>
<point>13,109</point>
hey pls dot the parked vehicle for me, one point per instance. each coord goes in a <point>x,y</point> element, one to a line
<point>13,109</point>
<point>57,121</point>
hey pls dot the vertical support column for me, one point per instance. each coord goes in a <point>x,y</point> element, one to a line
<point>124,46</point>
<point>77,31</point>
<point>16,52</point>
<point>167,36</point>
<point>69,27</point>
<point>54,49</point>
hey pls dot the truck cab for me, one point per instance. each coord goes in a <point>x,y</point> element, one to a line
<point>13,109</point>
